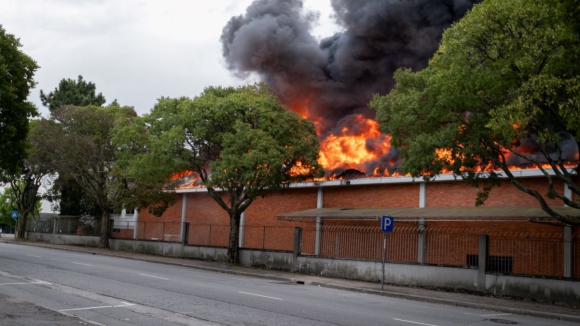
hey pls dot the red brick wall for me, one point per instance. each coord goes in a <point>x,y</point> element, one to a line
<point>203,209</point>
<point>450,245</point>
<point>453,194</point>
<point>263,230</point>
<point>390,195</point>
<point>172,214</point>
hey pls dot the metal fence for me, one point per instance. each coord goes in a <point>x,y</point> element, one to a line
<point>538,254</point>
<point>78,225</point>
<point>155,231</point>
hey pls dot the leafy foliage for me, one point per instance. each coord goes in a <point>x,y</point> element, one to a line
<point>240,141</point>
<point>506,79</point>
<point>78,143</point>
<point>66,195</point>
<point>72,92</point>
<point>16,79</point>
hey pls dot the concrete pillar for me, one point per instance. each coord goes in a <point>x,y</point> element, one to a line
<point>422,195</point>
<point>183,215</point>
<point>567,192</point>
<point>319,204</point>
<point>297,248</point>
<point>136,228</point>
<point>482,261</point>
<point>242,227</point>
<point>421,242</point>
<point>568,251</point>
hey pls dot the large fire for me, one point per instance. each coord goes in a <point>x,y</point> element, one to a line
<point>357,149</point>
<point>359,146</point>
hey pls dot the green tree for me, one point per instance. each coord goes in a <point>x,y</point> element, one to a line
<point>78,143</point>
<point>72,92</point>
<point>16,79</point>
<point>241,141</point>
<point>23,190</point>
<point>6,208</point>
<point>507,74</point>
<point>71,198</point>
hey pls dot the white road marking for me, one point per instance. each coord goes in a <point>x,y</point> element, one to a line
<point>124,304</point>
<point>413,322</point>
<point>26,283</point>
<point>488,315</point>
<point>162,278</point>
<point>33,256</point>
<point>82,264</point>
<point>41,282</point>
<point>258,295</point>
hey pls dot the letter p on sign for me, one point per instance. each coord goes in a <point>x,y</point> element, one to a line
<point>387,223</point>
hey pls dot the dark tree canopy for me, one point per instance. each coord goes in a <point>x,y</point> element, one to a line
<point>16,79</point>
<point>503,89</point>
<point>72,92</point>
<point>71,198</point>
<point>77,141</point>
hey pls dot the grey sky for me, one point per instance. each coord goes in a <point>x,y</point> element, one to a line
<point>135,51</point>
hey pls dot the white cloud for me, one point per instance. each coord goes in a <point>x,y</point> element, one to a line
<point>135,51</point>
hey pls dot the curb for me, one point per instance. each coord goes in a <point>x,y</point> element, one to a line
<point>534,313</point>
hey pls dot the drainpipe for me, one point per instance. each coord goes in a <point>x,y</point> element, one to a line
<point>319,204</point>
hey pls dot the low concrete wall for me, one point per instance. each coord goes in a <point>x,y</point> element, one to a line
<point>170,249</point>
<point>551,290</point>
<point>280,260</point>
<point>401,274</point>
<point>64,239</point>
<point>41,237</point>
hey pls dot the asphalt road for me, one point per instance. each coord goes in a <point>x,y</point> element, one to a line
<point>117,291</point>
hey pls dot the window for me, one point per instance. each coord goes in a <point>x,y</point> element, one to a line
<point>499,264</point>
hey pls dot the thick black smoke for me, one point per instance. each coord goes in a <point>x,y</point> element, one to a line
<point>337,76</point>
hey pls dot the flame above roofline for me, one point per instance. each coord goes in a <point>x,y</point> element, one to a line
<point>526,173</point>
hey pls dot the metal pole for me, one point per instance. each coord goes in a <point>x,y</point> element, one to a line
<point>386,236</point>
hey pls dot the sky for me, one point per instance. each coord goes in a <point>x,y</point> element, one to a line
<point>135,51</point>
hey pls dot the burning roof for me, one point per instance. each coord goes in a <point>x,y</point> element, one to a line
<point>331,81</point>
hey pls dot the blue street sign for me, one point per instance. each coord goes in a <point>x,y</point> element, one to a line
<point>387,223</point>
<point>14,214</point>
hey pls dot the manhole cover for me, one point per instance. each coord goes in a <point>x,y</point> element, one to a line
<point>504,321</point>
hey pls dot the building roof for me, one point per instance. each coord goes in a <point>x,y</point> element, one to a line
<point>429,213</point>
<point>526,173</point>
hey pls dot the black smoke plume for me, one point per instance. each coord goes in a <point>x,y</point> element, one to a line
<point>336,77</point>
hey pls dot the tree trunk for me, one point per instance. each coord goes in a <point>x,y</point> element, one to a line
<point>104,242</point>
<point>22,226</point>
<point>233,256</point>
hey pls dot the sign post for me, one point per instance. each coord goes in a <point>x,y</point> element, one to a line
<point>14,214</point>
<point>387,223</point>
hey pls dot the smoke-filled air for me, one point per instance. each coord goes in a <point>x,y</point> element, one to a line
<point>331,81</point>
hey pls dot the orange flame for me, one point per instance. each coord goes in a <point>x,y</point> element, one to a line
<point>355,148</point>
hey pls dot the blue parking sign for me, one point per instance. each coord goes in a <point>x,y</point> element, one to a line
<point>387,223</point>
<point>14,214</point>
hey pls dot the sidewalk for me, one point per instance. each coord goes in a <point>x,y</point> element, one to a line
<point>544,310</point>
